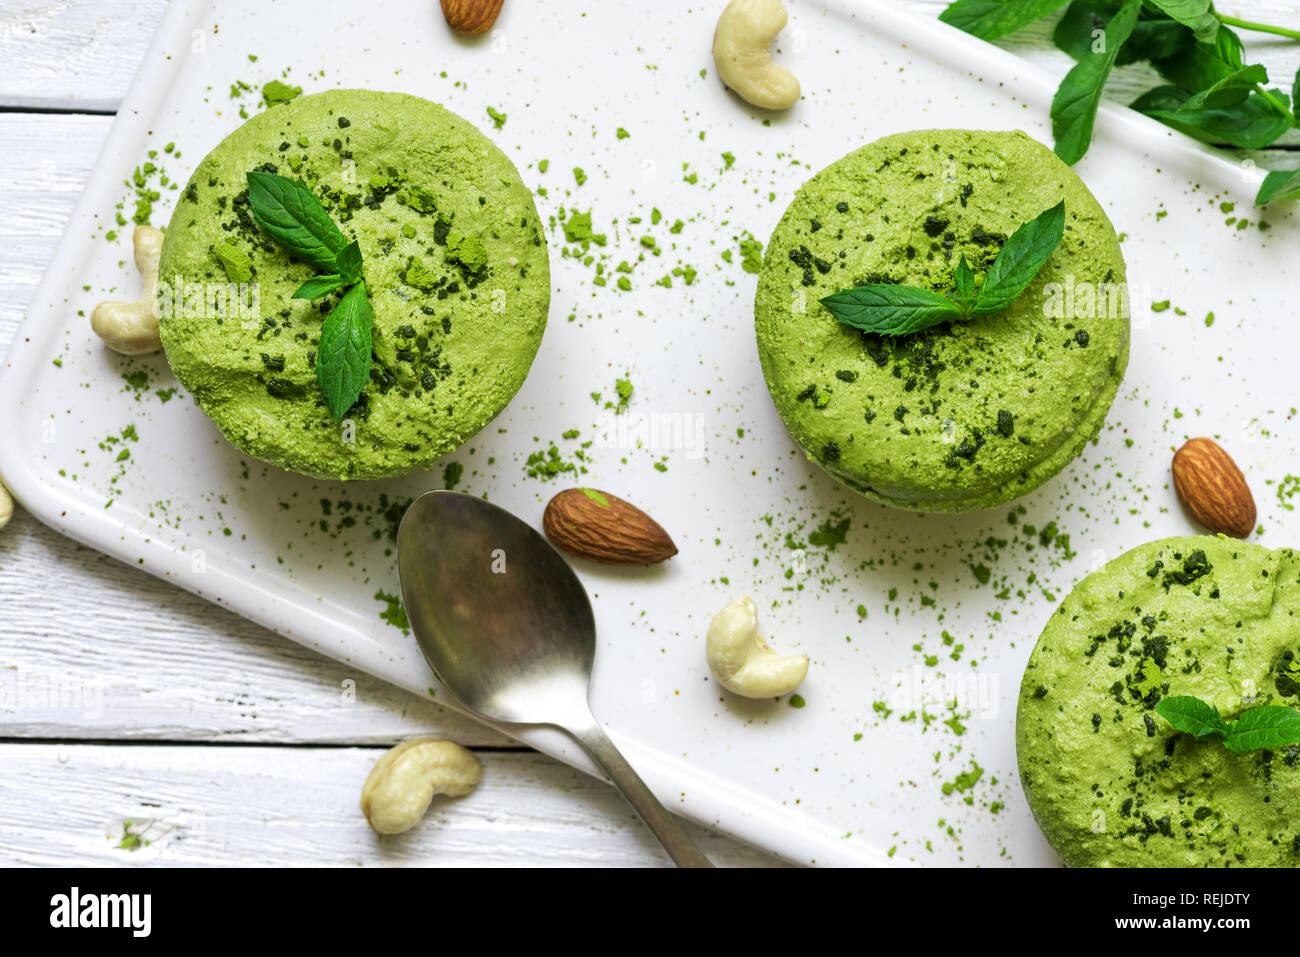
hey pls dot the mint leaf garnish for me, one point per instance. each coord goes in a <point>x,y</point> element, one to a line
<point>290,213</point>
<point>1267,726</point>
<point>319,286</point>
<point>1021,258</point>
<point>343,358</point>
<point>963,285</point>
<point>348,263</point>
<point>1191,715</point>
<point>293,216</point>
<point>891,309</point>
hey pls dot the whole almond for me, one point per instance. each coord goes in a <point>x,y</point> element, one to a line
<point>1213,488</point>
<point>604,528</point>
<point>471,16</point>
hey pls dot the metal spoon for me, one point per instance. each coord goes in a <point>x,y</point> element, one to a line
<point>507,628</point>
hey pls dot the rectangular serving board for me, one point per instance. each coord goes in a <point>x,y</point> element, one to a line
<point>856,775</point>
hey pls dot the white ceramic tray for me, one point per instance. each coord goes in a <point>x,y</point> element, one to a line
<point>838,780</point>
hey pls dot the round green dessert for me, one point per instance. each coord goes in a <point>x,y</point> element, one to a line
<point>454,264</point>
<point>1110,782</point>
<point>964,415</point>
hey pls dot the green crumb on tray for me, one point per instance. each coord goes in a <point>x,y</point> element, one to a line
<point>624,389</point>
<point>577,227</point>
<point>394,614</point>
<point>549,463</point>
<point>964,781</point>
<point>498,118</point>
<point>276,92</point>
<point>830,533</point>
<point>751,254</point>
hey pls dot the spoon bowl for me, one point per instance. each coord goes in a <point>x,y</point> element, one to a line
<point>507,627</point>
<point>501,618</point>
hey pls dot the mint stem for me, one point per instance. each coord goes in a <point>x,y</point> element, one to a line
<point>1259,27</point>
<point>1275,103</point>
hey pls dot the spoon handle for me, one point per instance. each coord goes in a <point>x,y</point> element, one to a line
<point>679,847</point>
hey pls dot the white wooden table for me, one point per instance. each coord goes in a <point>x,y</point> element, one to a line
<point>124,699</point>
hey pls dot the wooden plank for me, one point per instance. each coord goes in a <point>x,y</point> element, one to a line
<point>83,54</point>
<point>96,649</point>
<point>44,165</point>
<point>221,806</point>
<point>73,54</point>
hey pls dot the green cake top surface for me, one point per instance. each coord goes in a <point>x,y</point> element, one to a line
<point>1110,782</point>
<point>455,265</point>
<point>966,414</point>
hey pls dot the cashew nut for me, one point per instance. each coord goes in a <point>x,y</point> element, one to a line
<point>131,328</point>
<point>6,505</point>
<point>405,779</point>
<point>741,52</point>
<point>743,662</point>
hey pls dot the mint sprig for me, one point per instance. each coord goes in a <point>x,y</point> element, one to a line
<point>343,358</point>
<point>292,215</point>
<point>1209,94</point>
<point>1267,726</point>
<point>892,309</point>
<point>1074,107</point>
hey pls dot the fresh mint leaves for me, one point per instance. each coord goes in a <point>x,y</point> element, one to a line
<point>292,215</point>
<point>1210,92</point>
<point>1279,184</point>
<point>319,286</point>
<point>990,19</point>
<point>1074,107</point>
<point>963,285</point>
<point>890,309</point>
<point>1019,261</point>
<point>348,263</point>
<point>343,358</point>
<point>1267,726</point>
<point>1198,15</point>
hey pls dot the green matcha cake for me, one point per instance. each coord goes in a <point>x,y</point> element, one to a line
<point>964,415</point>
<point>454,263</point>
<point>1111,783</point>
